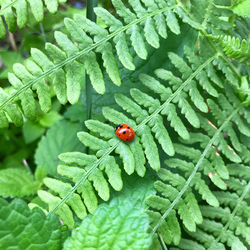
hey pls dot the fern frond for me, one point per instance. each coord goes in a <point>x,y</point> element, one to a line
<point>192,178</point>
<point>79,45</point>
<point>234,47</point>
<point>16,13</point>
<point>133,154</point>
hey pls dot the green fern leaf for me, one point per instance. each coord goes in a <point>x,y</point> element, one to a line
<point>16,13</point>
<point>175,121</point>
<point>81,40</point>
<point>62,188</point>
<point>33,227</point>
<point>204,191</point>
<point>239,170</point>
<point>64,212</point>
<point>234,47</point>
<point>150,148</point>
<point>52,5</point>
<point>86,189</point>
<point>17,183</point>
<point>186,244</point>
<point>241,8</point>
<point>162,136</point>
<point>230,75</point>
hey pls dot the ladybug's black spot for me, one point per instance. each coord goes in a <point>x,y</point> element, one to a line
<point>128,127</point>
<point>119,135</point>
<point>126,139</point>
<point>124,132</point>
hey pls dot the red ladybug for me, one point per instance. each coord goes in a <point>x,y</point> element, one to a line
<point>124,132</point>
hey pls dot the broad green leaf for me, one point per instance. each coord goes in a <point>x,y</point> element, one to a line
<point>60,138</point>
<point>32,131</point>
<point>21,227</point>
<point>16,182</point>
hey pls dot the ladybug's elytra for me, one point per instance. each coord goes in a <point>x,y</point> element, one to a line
<point>125,132</point>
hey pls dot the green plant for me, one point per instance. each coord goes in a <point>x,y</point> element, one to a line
<point>16,13</point>
<point>177,73</point>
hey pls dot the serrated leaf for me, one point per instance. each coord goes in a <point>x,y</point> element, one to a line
<point>93,70</point>
<point>59,138</point>
<point>21,227</point>
<point>205,192</point>
<point>137,150</point>
<point>16,182</point>
<point>64,212</point>
<point>103,129</point>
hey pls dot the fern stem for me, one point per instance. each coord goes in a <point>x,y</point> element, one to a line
<point>89,89</point>
<point>162,242</point>
<point>81,53</point>
<point>206,150</point>
<point>234,211</point>
<point>43,33</point>
<point>96,164</point>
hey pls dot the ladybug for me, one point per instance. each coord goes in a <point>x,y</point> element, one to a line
<point>124,132</point>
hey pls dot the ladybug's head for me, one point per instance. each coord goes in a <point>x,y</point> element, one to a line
<point>118,126</point>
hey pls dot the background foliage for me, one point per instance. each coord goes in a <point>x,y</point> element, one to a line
<point>175,71</point>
